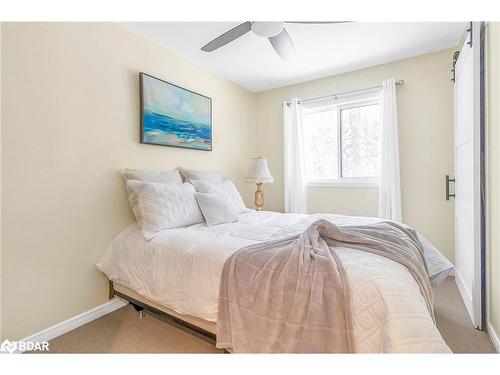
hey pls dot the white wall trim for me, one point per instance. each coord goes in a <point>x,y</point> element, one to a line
<point>493,336</point>
<point>76,321</point>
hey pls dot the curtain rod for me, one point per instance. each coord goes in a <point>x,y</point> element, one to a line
<point>398,83</point>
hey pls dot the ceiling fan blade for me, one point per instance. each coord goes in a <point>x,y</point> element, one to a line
<point>283,45</point>
<point>318,22</point>
<point>228,37</point>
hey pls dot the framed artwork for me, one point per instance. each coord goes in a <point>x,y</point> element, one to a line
<point>174,116</point>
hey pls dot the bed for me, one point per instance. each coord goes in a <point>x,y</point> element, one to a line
<point>179,272</point>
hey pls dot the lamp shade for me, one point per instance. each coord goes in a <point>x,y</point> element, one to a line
<point>260,173</point>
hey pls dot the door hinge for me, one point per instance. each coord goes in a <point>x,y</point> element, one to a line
<point>469,30</point>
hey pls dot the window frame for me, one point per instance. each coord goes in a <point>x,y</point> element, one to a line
<point>345,181</point>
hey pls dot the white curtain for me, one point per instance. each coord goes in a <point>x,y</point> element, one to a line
<point>295,189</point>
<point>389,202</point>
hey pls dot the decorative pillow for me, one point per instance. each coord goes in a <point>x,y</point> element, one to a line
<point>152,176</point>
<point>148,176</point>
<point>213,176</point>
<point>226,187</point>
<point>216,208</point>
<point>164,206</point>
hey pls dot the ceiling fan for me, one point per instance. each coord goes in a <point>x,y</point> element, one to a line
<point>274,31</point>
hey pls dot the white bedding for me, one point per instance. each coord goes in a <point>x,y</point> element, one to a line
<point>180,269</point>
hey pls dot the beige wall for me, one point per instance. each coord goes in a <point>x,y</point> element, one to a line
<point>493,173</point>
<point>69,123</point>
<point>425,111</point>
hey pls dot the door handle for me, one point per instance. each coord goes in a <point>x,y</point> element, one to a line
<point>448,180</point>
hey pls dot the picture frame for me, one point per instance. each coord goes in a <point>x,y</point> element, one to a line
<point>174,116</point>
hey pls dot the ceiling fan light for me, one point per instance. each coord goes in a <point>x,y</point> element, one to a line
<point>267,29</point>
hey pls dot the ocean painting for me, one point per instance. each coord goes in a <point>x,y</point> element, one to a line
<point>173,116</point>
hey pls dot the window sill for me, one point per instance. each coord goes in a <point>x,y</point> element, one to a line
<point>344,183</point>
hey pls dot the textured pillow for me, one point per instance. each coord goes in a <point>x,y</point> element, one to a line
<point>216,208</point>
<point>164,206</point>
<point>226,187</point>
<point>213,176</point>
<point>148,176</point>
<point>152,176</point>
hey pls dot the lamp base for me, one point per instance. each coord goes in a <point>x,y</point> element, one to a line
<point>259,198</point>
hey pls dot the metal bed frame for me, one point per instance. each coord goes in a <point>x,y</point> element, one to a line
<point>139,306</point>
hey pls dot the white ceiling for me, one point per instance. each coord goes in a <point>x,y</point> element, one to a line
<point>322,50</point>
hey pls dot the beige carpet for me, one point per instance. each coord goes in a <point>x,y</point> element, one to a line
<point>454,323</point>
<point>124,332</point>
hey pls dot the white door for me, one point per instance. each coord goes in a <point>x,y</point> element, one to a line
<point>467,178</point>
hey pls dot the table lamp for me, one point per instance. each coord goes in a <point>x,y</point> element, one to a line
<point>260,175</point>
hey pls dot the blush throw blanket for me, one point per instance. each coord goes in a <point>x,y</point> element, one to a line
<point>292,295</point>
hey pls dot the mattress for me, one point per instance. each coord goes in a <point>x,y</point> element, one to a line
<point>181,268</point>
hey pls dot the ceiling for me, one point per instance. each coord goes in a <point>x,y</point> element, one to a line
<point>322,49</point>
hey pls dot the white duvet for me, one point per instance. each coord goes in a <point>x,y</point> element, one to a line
<point>181,268</point>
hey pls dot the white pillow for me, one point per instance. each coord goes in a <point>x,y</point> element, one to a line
<point>216,208</point>
<point>226,187</point>
<point>164,206</point>
<point>148,176</point>
<point>213,176</point>
<point>152,176</point>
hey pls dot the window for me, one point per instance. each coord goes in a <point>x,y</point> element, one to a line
<point>342,143</point>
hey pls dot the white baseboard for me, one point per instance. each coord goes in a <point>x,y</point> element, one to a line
<point>77,321</point>
<point>493,336</point>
